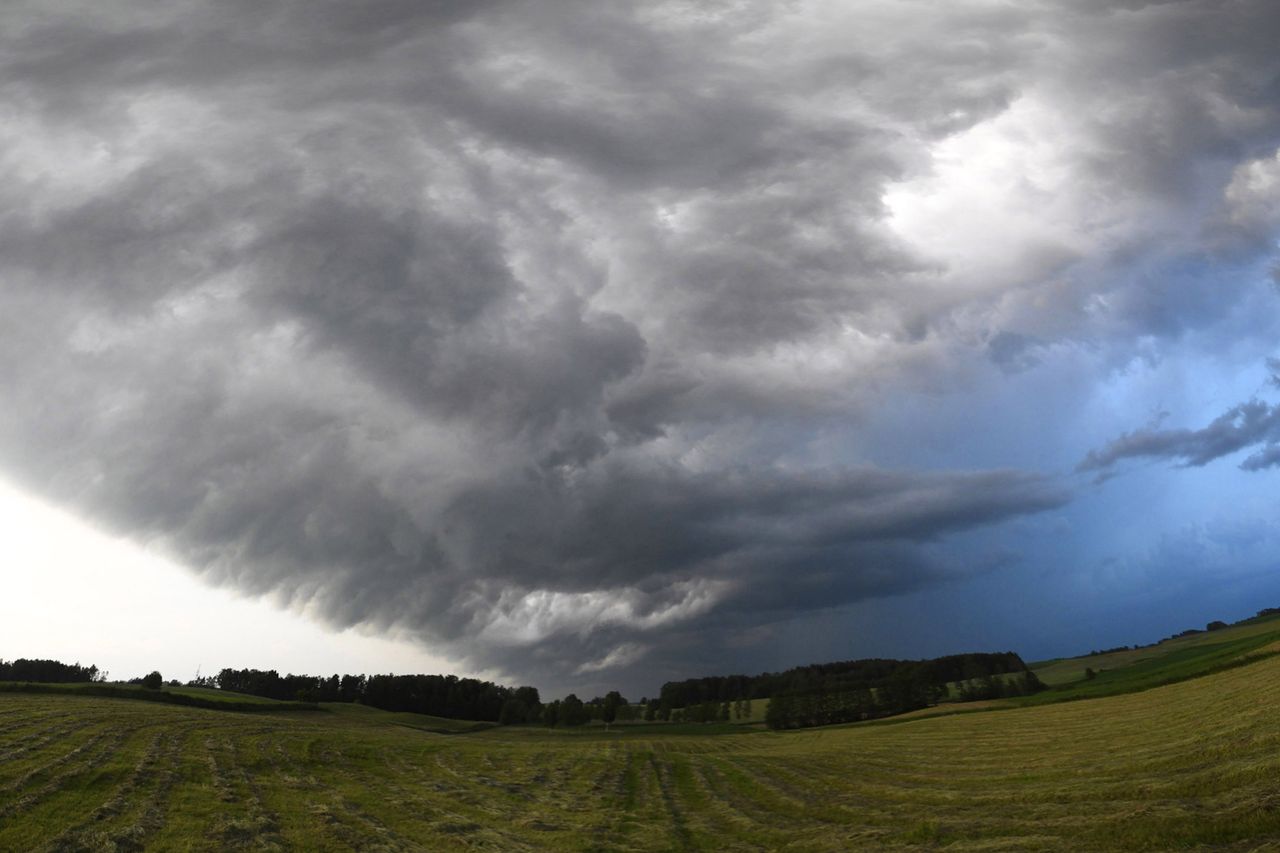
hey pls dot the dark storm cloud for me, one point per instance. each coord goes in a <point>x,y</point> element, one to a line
<point>1247,425</point>
<point>544,331</point>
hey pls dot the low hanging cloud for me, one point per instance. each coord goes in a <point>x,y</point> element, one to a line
<point>421,317</point>
<point>1254,424</point>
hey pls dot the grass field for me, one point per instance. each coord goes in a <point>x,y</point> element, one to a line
<point>197,697</point>
<point>1190,765</point>
<point>1066,670</point>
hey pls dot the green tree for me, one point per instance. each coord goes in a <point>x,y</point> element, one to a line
<point>609,707</point>
<point>572,711</point>
<point>512,712</point>
<point>779,714</point>
<point>153,681</point>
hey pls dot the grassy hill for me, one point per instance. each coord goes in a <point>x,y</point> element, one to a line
<point>1160,663</point>
<point>1188,765</point>
<point>195,697</point>
<point>421,722</point>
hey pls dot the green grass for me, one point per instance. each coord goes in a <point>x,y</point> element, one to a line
<point>1151,666</point>
<point>194,697</point>
<point>214,695</point>
<point>422,722</point>
<point>1191,765</point>
<point>1067,670</point>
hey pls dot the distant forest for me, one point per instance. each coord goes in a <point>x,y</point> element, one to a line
<point>848,691</point>
<point>836,677</point>
<point>437,695</point>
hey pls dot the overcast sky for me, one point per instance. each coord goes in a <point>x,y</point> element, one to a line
<point>591,344</point>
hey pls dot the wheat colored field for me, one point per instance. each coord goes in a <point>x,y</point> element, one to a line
<point>1187,766</point>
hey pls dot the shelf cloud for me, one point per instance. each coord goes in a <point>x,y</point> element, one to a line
<point>552,335</point>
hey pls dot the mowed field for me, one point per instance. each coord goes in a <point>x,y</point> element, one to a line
<point>1190,765</point>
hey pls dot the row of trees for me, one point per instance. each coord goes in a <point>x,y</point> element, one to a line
<point>572,711</point>
<point>437,695</point>
<point>906,691</point>
<point>49,671</point>
<point>840,676</point>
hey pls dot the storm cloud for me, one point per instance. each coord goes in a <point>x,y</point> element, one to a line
<point>546,333</point>
<point>1251,424</point>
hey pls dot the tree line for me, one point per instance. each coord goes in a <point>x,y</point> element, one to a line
<point>436,695</point>
<point>49,671</point>
<point>846,691</point>
<point>836,677</point>
<point>905,691</point>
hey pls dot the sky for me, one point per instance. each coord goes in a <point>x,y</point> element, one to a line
<point>593,344</point>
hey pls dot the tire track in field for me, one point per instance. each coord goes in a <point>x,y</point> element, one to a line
<point>466,790</point>
<point>778,780</point>
<point>775,801</point>
<point>95,757</point>
<point>150,812</point>
<point>496,811</point>
<point>678,825</point>
<point>40,724</point>
<point>617,784</point>
<point>345,819</point>
<point>434,796</point>
<point>44,739</point>
<point>52,763</point>
<point>720,791</point>
<point>261,826</point>
<point>154,770</point>
<point>468,805</point>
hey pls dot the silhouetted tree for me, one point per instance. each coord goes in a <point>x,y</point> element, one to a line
<point>572,711</point>
<point>609,706</point>
<point>49,671</point>
<point>512,712</point>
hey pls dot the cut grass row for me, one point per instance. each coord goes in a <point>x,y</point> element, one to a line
<point>1190,765</point>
